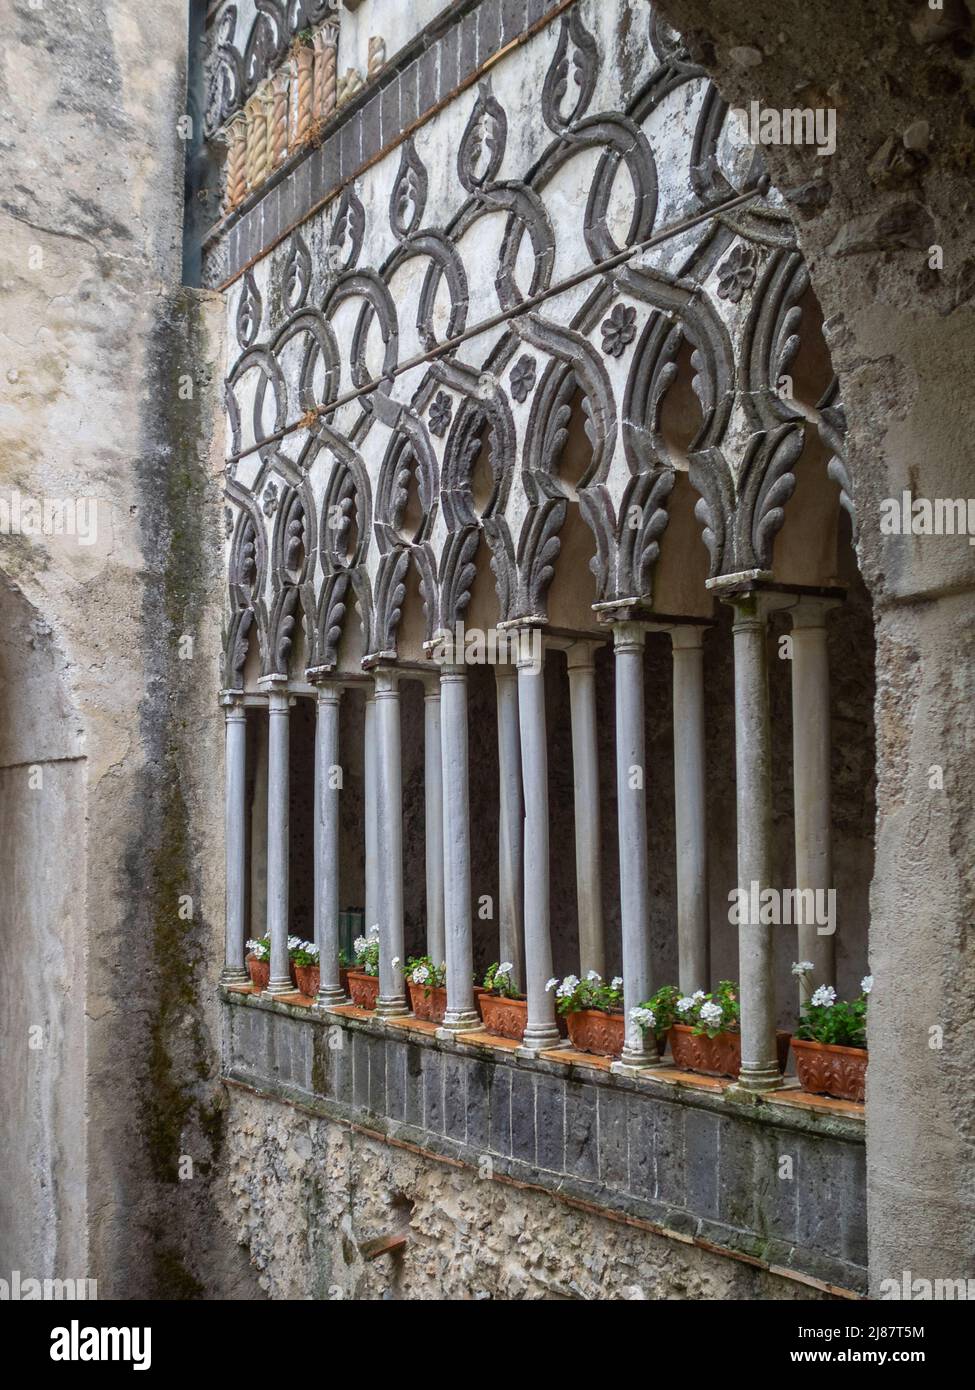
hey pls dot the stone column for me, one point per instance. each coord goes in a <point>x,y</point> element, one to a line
<point>753,773</point>
<point>629,638</point>
<point>585,781</point>
<point>327,819</point>
<point>461,1015</point>
<point>690,802</point>
<point>236,184</point>
<point>810,771</point>
<point>235,777</point>
<point>302,94</point>
<point>389,844</point>
<point>541,1030</point>
<point>510,821</point>
<point>280,83</point>
<point>278,820</point>
<point>325,41</point>
<point>433,819</point>
<point>369,808</point>
<point>256,140</point>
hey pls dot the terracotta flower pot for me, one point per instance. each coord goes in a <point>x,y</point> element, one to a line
<point>308,978</point>
<point>259,971</point>
<point>505,1018</point>
<point>827,1069</point>
<point>717,1056</point>
<point>363,989</point>
<point>594,1030</point>
<point>428,1001</point>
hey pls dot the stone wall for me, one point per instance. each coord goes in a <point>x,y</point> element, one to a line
<point>778,1184</point>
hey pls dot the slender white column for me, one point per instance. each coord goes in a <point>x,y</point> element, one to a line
<point>629,637</point>
<point>585,781</point>
<point>278,820</point>
<point>327,777</point>
<point>541,1030</point>
<point>511,817</point>
<point>461,1014</point>
<point>753,767</point>
<point>369,806</point>
<point>389,845</point>
<point>690,803</point>
<point>235,720</point>
<point>433,819</point>
<point>810,770</point>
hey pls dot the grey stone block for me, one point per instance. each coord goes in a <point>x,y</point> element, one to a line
<point>550,1123</point>
<point>408,110</point>
<point>370,119</point>
<point>432,1064</point>
<point>523,1115</point>
<point>360,1070</point>
<point>479,1104</point>
<point>641,1130</point>
<point>668,1136</point>
<point>701,1153</point>
<point>455,1097</point>
<point>377,1076</point>
<point>428,79</point>
<point>414,1085</point>
<point>449,47</point>
<point>396,1081</point>
<point>390,125</point>
<point>611,1107</point>
<point>467,58</point>
<point>501,1110</point>
<point>512,19</point>
<point>581,1131</point>
<point>741,1170</point>
<point>488,29</point>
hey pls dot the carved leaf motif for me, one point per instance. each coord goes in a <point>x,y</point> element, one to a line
<point>571,78</point>
<point>348,232</point>
<point>250,310</point>
<point>297,273</point>
<point>482,144</point>
<point>241,642</point>
<point>409,196</point>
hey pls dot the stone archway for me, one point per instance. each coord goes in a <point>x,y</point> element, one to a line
<point>885,227</point>
<point>43,1199</point>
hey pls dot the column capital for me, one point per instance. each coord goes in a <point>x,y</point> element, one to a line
<point>504,672</point>
<point>811,612</point>
<point>232,702</point>
<point>687,637</point>
<point>629,636</point>
<point>385,682</point>
<point>581,656</point>
<point>530,655</point>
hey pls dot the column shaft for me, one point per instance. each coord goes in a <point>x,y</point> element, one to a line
<point>236,832</point>
<point>810,770</point>
<point>510,821</point>
<point>458,919</point>
<point>632,802</point>
<point>585,781</point>
<point>434,822</point>
<point>753,766</point>
<point>278,820</point>
<point>327,812</point>
<point>369,807</point>
<point>690,802</point>
<point>541,1030</point>
<point>389,845</point>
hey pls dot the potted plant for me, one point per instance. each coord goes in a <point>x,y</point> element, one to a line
<point>364,976</point>
<point>705,1029</point>
<point>504,1011</point>
<point>830,1045</point>
<point>593,1011</point>
<point>304,959</point>
<point>259,962</point>
<point>426,983</point>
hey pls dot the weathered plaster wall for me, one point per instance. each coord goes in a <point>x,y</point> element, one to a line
<point>97,340</point>
<point>901,338</point>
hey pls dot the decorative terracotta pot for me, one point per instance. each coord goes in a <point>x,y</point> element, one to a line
<point>505,1018</point>
<point>827,1069</point>
<point>259,971</point>
<point>594,1030</point>
<point>363,989</point>
<point>308,978</point>
<point>428,1001</point>
<point>717,1056</point>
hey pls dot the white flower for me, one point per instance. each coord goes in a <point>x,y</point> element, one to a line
<point>825,997</point>
<point>552,983</point>
<point>616,982</point>
<point>711,1013</point>
<point>866,984</point>
<point>295,943</point>
<point>802,967</point>
<point>505,968</point>
<point>593,975</point>
<point>359,945</point>
<point>697,996</point>
<point>686,1003</point>
<point>568,986</point>
<point>644,1017</point>
<point>251,945</point>
<point>420,975</point>
<point>374,932</point>
<point>395,962</point>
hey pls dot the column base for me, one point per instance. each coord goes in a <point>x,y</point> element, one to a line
<point>633,1064</point>
<point>391,1006</point>
<point>459,1021</point>
<point>281,986</point>
<point>329,998</point>
<point>755,1080</point>
<point>538,1040</point>
<point>234,975</point>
